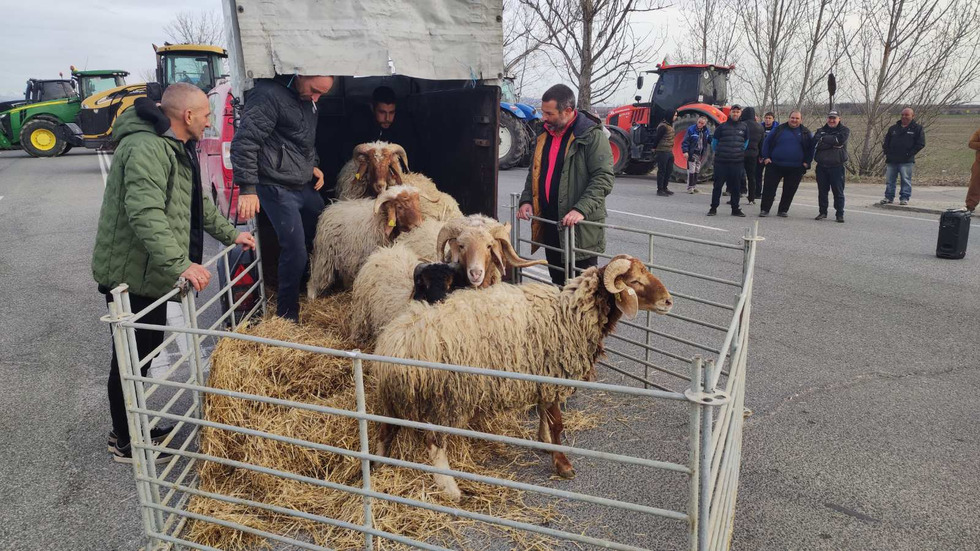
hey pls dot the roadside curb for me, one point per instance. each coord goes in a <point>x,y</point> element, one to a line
<point>910,208</point>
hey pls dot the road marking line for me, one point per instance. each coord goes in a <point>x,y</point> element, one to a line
<point>933,220</point>
<point>104,165</point>
<point>667,220</point>
<point>1,197</point>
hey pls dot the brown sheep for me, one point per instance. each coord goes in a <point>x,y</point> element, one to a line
<point>373,167</point>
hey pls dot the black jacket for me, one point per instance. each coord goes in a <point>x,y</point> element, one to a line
<point>729,142</point>
<point>831,145</point>
<point>756,133</point>
<point>274,144</point>
<point>903,142</point>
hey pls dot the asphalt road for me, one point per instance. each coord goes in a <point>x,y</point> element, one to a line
<point>863,374</point>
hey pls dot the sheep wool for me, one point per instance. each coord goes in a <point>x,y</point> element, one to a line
<point>382,288</point>
<point>436,205</point>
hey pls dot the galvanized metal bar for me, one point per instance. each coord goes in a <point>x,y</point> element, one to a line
<point>362,429</point>
<point>646,364</point>
<point>230,295</point>
<point>538,279</point>
<point>163,346</point>
<point>566,254</point>
<point>705,466</point>
<point>258,261</point>
<point>646,349</point>
<point>234,307</point>
<point>677,271</point>
<point>694,456</point>
<point>300,514</point>
<point>666,235</point>
<point>139,315</point>
<point>674,338</point>
<point>227,287</point>
<point>649,348</point>
<point>697,322</point>
<point>559,534</point>
<point>541,245</point>
<point>693,298</point>
<point>646,382</point>
<point>184,358</point>
<point>214,259</point>
<point>429,365</point>
<point>723,504</point>
<point>616,458</point>
<point>182,542</point>
<point>197,361</point>
<point>515,234</point>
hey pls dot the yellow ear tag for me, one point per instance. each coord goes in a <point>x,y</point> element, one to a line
<point>618,297</point>
<point>357,176</point>
<point>391,223</point>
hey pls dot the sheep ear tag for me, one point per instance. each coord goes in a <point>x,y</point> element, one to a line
<point>627,303</point>
<point>390,226</point>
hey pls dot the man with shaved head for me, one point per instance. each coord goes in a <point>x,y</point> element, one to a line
<point>275,161</point>
<point>903,140</point>
<point>152,223</point>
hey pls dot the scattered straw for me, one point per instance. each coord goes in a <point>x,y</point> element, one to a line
<point>325,380</point>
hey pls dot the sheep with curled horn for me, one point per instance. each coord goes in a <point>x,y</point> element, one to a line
<point>372,168</point>
<point>349,231</point>
<point>532,328</point>
<point>384,285</point>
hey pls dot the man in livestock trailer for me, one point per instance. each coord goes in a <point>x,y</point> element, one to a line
<point>152,223</point>
<point>440,58</point>
<point>571,175</point>
<point>384,123</point>
<point>274,159</point>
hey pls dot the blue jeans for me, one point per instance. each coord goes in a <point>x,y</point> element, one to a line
<point>892,171</point>
<point>294,214</point>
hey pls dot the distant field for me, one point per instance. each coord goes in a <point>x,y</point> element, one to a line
<point>946,160</point>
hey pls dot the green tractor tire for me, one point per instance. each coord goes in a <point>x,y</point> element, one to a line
<point>42,138</point>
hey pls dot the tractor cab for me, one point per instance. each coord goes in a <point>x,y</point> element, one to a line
<point>680,85</point>
<point>200,65</point>
<point>46,90</point>
<point>89,83</point>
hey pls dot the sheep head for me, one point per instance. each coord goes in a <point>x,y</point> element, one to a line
<point>435,280</point>
<point>400,205</point>
<point>379,164</point>
<point>478,243</point>
<point>634,287</point>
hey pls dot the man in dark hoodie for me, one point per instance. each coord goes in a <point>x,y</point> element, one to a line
<point>274,158</point>
<point>769,123</point>
<point>570,177</point>
<point>831,156</point>
<point>729,142</point>
<point>756,133</point>
<point>152,223</point>
<point>903,140</point>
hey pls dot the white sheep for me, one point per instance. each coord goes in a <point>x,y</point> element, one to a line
<point>533,328</point>
<point>348,231</point>
<point>436,205</point>
<point>373,167</point>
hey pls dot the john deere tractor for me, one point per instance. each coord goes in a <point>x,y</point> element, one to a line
<point>200,65</point>
<point>43,123</point>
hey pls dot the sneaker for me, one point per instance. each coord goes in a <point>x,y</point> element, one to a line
<point>782,214</point>
<point>712,211</point>
<point>886,201</point>
<point>661,193</point>
<point>157,436</point>
<point>820,216</point>
<point>124,454</point>
<point>903,202</point>
<point>840,218</point>
<point>738,213</point>
<point>696,190</point>
<point>692,190</point>
<point>763,213</point>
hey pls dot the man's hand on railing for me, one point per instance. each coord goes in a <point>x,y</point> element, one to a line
<point>246,240</point>
<point>248,206</point>
<point>525,212</point>
<point>198,276</point>
<point>573,217</point>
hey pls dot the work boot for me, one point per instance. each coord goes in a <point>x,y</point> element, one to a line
<point>661,193</point>
<point>840,218</point>
<point>821,216</point>
<point>668,192</point>
<point>738,213</point>
<point>763,213</point>
<point>782,214</point>
<point>712,211</point>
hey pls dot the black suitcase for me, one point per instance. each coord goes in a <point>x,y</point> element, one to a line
<point>954,230</point>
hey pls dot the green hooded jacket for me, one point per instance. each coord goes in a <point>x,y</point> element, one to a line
<point>144,226</point>
<point>586,179</point>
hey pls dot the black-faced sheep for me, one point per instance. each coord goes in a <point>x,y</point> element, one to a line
<point>383,286</point>
<point>533,328</point>
<point>373,167</point>
<point>349,231</point>
<point>433,281</point>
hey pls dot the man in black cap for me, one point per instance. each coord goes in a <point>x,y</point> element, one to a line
<point>729,143</point>
<point>831,156</point>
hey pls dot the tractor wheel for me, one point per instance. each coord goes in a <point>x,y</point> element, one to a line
<point>67,148</point>
<point>512,142</point>
<point>42,138</point>
<point>639,168</point>
<point>620,151</point>
<point>683,122</point>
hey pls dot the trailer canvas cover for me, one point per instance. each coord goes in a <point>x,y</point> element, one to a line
<point>431,39</point>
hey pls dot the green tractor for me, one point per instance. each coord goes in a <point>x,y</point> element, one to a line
<point>43,123</point>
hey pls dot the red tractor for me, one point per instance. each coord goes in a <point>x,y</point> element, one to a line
<point>692,90</point>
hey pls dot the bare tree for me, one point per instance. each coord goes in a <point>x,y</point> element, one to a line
<point>147,75</point>
<point>770,28</point>
<point>595,42</point>
<point>921,53</point>
<point>203,27</point>
<point>524,36</point>
<point>713,36</point>
<point>823,43</point>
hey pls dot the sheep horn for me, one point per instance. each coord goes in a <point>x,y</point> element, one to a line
<point>381,200</point>
<point>399,152</point>
<point>381,178</point>
<point>502,234</point>
<point>363,149</point>
<point>448,233</point>
<point>616,267</point>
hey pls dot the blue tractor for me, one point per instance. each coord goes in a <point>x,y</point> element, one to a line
<point>519,123</point>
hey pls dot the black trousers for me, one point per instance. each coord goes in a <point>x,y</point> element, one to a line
<point>556,259</point>
<point>791,176</point>
<point>759,171</point>
<point>729,174</point>
<point>665,165</point>
<point>830,179</point>
<point>749,182</point>
<point>146,342</point>
<point>294,214</point>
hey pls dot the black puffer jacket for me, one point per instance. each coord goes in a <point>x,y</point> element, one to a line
<point>755,131</point>
<point>274,144</point>
<point>903,142</point>
<point>729,142</point>
<point>831,145</point>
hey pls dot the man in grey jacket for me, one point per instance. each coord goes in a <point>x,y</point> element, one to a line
<point>830,154</point>
<point>275,165</point>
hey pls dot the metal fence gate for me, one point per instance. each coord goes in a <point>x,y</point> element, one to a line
<point>707,381</point>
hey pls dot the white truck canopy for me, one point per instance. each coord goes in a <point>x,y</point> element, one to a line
<point>430,39</point>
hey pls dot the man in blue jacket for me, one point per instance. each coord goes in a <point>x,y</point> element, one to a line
<point>697,139</point>
<point>787,152</point>
<point>729,143</point>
